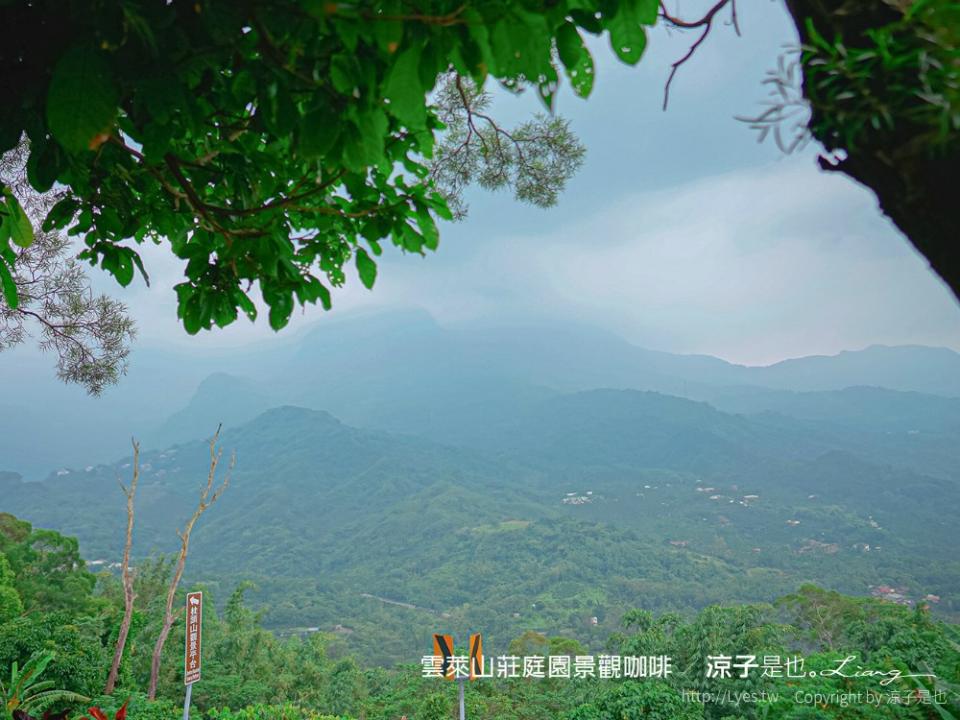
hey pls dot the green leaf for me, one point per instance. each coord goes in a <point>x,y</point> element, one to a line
<point>646,11</point>
<point>81,100</point>
<point>628,37</point>
<point>245,303</point>
<point>9,286</point>
<point>281,116</point>
<point>431,236</point>
<point>135,256</point>
<point>18,224</point>
<point>402,87</point>
<point>473,49</point>
<point>367,268</point>
<point>243,86</point>
<point>45,164</point>
<point>343,73</point>
<point>60,214</point>
<point>225,312</point>
<point>388,33</point>
<point>582,75</point>
<point>319,129</point>
<point>587,20</point>
<point>548,87</point>
<point>280,311</point>
<point>117,261</point>
<point>569,45</point>
<point>367,143</point>
<point>324,296</point>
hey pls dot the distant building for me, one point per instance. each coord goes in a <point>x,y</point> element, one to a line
<point>891,594</point>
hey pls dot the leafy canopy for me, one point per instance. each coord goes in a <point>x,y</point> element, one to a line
<point>270,143</point>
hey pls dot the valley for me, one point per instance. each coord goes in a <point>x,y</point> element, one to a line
<point>562,512</point>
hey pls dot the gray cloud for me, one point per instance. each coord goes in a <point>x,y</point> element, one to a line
<point>681,232</point>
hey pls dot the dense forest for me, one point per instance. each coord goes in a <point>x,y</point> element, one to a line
<point>60,617</point>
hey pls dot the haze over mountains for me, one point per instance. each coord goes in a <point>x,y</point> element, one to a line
<point>581,507</point>
<point>391,472</point>
<point>402,372</point>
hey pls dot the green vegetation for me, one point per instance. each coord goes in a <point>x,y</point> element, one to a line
<point>579,506</point>
<point>304,136</point>
<point>26,692</point>
<point>298,139</point>
<point>615,523</point>
<point>882,87</point>
<point>275,144</point>
<point>252,674</point>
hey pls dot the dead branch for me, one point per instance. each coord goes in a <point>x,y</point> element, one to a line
<point>706,23</point>
<point>127,578</point>
<point>208,496</point>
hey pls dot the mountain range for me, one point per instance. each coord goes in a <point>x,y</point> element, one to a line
<point>445,483</point>
<point>402,372</point>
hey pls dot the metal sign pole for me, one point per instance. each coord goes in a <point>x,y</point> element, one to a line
<point>186,702</point>
<point>463,713</point>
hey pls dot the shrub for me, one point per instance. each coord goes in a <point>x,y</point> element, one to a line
<point>269,712</point>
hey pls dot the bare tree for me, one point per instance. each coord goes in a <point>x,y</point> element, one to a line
<point>208,496</point>
<point>91,334</point>
<point>127,577</point>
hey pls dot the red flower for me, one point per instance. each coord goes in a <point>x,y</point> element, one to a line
<point>99,714</point>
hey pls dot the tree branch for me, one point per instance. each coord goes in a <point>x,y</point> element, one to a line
<point>127,578</point>
<point>705,22</point>
<point>208,496</point>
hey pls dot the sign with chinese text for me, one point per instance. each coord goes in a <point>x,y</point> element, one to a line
<point>192,657</point>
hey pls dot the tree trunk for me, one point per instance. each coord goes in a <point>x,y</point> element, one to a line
<point>917,188</point>
<point>128,595</point>
<point>208,496</point>
<point>168,617</point>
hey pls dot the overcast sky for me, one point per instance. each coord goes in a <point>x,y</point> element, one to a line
<point>680,233</point>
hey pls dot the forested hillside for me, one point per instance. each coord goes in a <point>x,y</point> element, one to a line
<point>557,519</point>
<point>798,650</point>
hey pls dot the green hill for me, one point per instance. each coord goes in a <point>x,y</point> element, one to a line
<point>573,511</point>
